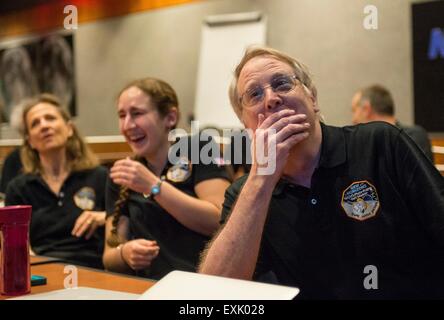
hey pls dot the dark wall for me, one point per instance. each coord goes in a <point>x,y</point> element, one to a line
<point>428,61</point>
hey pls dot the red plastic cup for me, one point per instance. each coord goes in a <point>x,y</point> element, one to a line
<point>14,262</point>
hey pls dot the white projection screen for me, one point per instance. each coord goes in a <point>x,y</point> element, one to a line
<point>224,40</point>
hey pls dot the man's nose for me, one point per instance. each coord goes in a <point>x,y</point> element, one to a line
<point>272,99</point>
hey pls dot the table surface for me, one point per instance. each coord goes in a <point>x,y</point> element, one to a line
<point>56,274</point>
<point>42,260</point>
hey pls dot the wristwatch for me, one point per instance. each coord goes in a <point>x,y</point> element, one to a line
<point>155,190</point>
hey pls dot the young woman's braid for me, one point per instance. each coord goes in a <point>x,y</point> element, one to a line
<point>114,240</point>
<point>124,192</point>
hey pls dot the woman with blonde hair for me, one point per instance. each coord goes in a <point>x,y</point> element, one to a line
<point>64,184</point>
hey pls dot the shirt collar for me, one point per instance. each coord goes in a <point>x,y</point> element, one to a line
<point>168,165</point>
<point>333,152</point>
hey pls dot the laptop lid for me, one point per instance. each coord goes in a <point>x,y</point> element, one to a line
<point>180,285</point>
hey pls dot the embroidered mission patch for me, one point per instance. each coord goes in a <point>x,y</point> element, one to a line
<point>180,171</point>
<point>360,200</point>
<point>85,198</point>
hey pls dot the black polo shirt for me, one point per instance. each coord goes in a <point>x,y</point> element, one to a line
<point>180,247</point>
<point>375,200</point>
<point>12,167</point>
<point>419,135</point>
<point>54,215</point>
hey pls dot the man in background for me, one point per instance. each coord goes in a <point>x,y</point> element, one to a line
<point>375,103</point>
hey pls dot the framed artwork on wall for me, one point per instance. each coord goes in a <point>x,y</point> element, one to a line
<point>36,65</point>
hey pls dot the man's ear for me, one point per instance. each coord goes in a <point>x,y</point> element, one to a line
<point>314,100</point>
<point>367,109</point>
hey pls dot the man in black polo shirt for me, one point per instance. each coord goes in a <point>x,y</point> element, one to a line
<point>375,103</point>
<point>347,213</point>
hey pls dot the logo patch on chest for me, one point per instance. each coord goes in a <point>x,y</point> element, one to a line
<point>181,171</point>
<point>85,198</point>
<point>360,200</point>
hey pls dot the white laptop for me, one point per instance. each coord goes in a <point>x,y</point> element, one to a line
<point>80,293</point>
<point>180,285</point>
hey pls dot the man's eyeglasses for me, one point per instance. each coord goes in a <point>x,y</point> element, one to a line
<point>280,85</point>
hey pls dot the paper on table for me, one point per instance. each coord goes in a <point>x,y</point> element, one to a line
<point>180,285</point>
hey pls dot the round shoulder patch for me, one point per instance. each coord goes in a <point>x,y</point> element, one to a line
<point>85,198</point>
<point>181,171</point>
<point>360,200</point>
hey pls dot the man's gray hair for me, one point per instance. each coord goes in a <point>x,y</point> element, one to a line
<point>300,70</point>
<point>379,98</point>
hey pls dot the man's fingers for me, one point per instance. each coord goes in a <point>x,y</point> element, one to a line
<point>294,139</point>
<point>283,123</point>
<point>275,117</point>
<point>290,130</point>
<point>260,119</point>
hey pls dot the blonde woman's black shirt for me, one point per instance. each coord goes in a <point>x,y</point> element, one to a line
<point>54,215</point>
